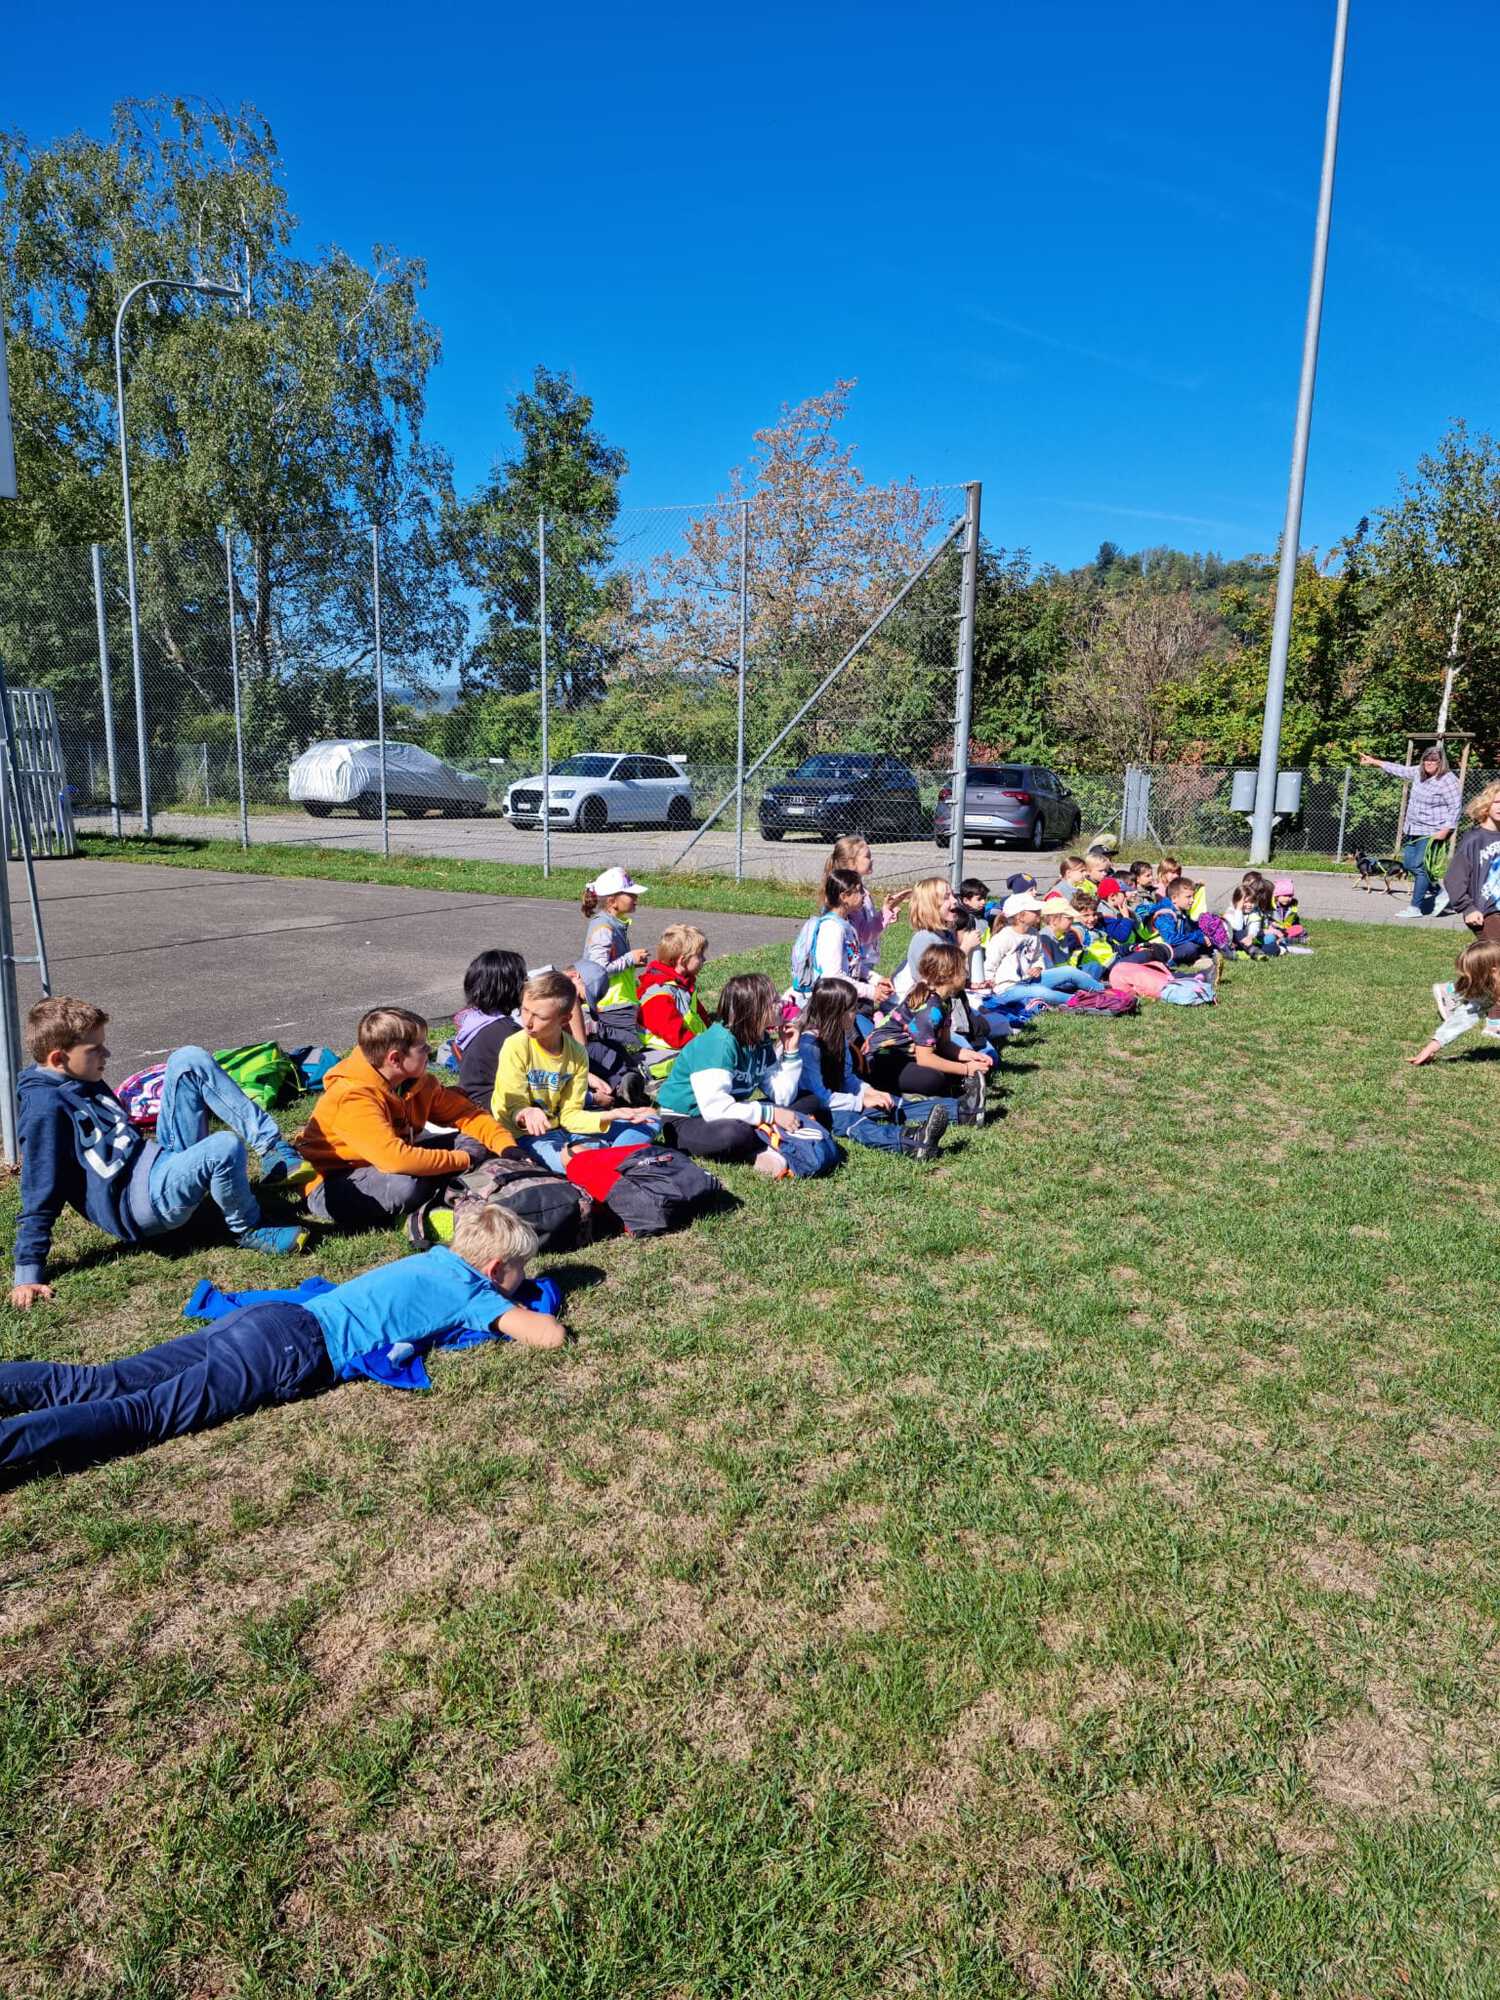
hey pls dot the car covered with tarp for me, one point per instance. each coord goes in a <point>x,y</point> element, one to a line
<point>346,772</point>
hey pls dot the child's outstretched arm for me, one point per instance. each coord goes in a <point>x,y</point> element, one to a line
<point>531,1329</point>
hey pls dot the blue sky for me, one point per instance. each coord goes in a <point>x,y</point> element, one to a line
<point>1063,248</point>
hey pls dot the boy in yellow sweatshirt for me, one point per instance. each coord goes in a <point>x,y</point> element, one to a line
<point>365,1138</point>
<point>542,1079</point>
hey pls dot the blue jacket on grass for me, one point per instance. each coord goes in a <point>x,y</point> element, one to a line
<point>78,1150</point>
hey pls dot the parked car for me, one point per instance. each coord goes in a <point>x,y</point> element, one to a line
<point>1020,802</point>
<point>840,792</point>
<point>347,773</point>
<point>600,788</point>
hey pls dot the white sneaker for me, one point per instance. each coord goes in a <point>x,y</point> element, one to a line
<point>1492,1027</point>
<point>1446,998</point>
<point>1441,905</point>
<point>1411,910</point>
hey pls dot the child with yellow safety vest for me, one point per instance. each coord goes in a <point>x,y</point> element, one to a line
<point>670,1012</point>
<point>607,964</point>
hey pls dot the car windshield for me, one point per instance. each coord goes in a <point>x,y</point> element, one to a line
<point>834,767</point>
<point>584,767</point>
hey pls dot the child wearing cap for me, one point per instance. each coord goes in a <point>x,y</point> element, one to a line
<point>1013,961</point>
<point>1061,941</point>
<point>1284,912</point>
<point>607,962</point>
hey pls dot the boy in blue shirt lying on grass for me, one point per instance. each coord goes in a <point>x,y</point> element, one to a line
<point>56,1416</point>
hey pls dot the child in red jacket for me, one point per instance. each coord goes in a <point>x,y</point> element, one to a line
<point>669,1012</point>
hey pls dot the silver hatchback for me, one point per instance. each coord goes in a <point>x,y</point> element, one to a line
<point>1024,803</point>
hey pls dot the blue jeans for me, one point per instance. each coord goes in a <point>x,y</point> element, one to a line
<point>1071,979</point>
<point>547,1151</point>
<point>54,1416</point>
<point>1031,989</point>
<point>194,1163</point>
<point>1423,888</point>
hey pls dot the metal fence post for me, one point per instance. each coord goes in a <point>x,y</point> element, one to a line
<point>739,727</point>
<point>385,811</point>
<point>964,706</point>
<point>1344,811</point>
<point>106,691</point>
<point>541,571</point>
<point>234,675</point>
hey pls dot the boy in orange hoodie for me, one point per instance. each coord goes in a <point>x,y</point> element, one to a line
<point>365,1138</point>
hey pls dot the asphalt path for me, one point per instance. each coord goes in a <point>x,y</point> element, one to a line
<point>178,955</point>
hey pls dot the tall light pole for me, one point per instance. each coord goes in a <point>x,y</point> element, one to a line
<point>1261,824</point>
<point>146,285</point>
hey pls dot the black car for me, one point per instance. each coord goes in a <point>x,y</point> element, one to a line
<point>841,792</point>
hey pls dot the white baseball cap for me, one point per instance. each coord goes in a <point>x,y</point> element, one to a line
<point>617,882</point>
<point>1013,905</point>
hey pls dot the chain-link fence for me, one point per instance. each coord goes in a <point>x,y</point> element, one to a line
<point>725,688</point>
<point>675,687</point>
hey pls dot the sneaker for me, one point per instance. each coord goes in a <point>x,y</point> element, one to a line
<point>273,1241</point>
<point>920,1142</point>
<point>429,1224</point>
<point>1440,907</point>
<point>1492,1027</point>
<point>1444,995</point>
<point>971,1099</point>
<point>631,1090</point>
<point>282,1166</point>
<point>1411,910</point>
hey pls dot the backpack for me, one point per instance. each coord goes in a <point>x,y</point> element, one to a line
<point>1105,1003</point>
<point>1215,932</point>
<point>561,1214</point>
<point>264,1071</point>
<point>647,1189</point>
<point>804,951</point>
<point>141,1096</point>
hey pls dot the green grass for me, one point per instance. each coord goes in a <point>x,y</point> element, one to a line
<point>1072,1569</point>
<point>751,897</point>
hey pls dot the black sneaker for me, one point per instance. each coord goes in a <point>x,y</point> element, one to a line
<point>971,1099</point>
<point>920,1142</point>
<point>631,1090</point>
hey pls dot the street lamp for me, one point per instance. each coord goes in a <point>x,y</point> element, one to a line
<point>1263,822</point>
<point>146,285</point>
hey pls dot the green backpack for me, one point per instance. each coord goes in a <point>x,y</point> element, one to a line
<point>264,1071</point>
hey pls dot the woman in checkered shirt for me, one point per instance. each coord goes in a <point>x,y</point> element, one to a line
<point>1432,810</point>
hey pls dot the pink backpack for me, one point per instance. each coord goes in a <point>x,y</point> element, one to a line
<point>1146,982</point>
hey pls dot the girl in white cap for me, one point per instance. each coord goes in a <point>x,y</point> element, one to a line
<point>607,962</point>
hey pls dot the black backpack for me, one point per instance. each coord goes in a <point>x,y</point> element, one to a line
<point>659,1189</point>
<point>562,1215</point>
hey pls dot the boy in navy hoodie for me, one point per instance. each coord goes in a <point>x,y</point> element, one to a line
<point>79,1150</point>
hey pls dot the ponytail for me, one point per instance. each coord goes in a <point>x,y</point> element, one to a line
<point>590,902</point>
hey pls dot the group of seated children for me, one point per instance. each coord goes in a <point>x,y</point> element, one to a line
<point>553,1065</point>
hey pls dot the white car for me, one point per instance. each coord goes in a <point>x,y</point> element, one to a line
<point>600,788</point>
<point>347,773</point>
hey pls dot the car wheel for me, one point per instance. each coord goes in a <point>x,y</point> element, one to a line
<point>770,833</point>
<point>593,816</point>
<point>1036,837</point>
<point>680,813</point>
<point>316,808</point>
<point>942,842</point>
<point>1076,826</point>
<point>367,805</point>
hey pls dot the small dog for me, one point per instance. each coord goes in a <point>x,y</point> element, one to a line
<point>1375,873</point>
